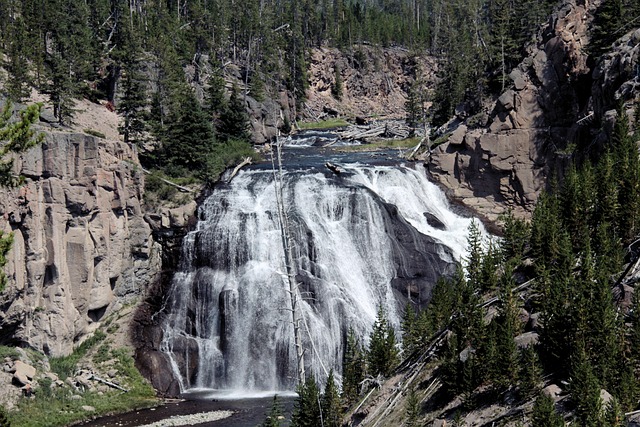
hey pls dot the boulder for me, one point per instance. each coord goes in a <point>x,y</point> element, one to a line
<point>527,339</point>
<point>23,372</point>
<point>553,390</point>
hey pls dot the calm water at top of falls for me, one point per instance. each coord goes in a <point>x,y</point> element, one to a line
<point>363,238</point>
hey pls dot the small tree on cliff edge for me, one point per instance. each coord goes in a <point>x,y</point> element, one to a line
<point>15,137</point>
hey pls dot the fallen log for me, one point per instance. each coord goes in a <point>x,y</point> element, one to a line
<point>246,161</point>
<point>166,181</point>
<point>109,383</point>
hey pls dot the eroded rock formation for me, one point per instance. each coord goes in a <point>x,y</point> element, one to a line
<point>505,163</point>
<point>82,248</point>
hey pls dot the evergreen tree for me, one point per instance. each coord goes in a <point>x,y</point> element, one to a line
<point>233,121</point>
<point>352,369</point>
<point>331,407</point>
<point>614,416</point>
<point>530,374</point>
<point>336,88</point>
<point>585,392</point>
<point>412,411</point>
<point>16,137</point>
<point>274,416</point>
<point>306,410</point>
<point>410,331</point>
<point>382,356</point>
<point>507,329</point>
<point>515,237</point>
<point>134,97</point>
<point>544,413</point>
<point>215,102</point>
<point>188,139</point>
<point>473,265</point>
<point>625,149</point>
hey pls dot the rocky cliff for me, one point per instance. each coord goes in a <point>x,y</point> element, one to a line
<point>82,248</point>
<point>501,159</point>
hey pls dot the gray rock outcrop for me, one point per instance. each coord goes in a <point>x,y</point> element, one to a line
<point>81,246</point>
<point>505,164</point>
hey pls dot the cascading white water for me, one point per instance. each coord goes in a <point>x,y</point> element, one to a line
<point>229,325</point>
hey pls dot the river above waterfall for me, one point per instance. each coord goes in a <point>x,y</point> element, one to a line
<point>369,231</point>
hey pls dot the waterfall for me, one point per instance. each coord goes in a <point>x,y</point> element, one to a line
<point>373,235</point>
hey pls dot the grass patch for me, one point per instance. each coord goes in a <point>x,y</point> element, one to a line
<point>65,366</point>
<point>95,133</point>
<point>323,124</point>
<point>11,352</point>
<point>383,144</point>
<point>440,140</point>
<point>53,406</point>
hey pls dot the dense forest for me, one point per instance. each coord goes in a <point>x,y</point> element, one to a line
<point>146,57</point>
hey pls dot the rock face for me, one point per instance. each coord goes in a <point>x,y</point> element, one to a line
<point>505,164</point>
<point>375,81</point>
<point>81,246</point>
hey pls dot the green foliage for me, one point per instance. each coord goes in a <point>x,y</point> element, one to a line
<point>414,105</point>
<point>412,411</point>
<point>352,369</point>
<point>233,120</point>
<point>95,133</point>
<point>544,413</point>
<point>585,392</point>
<point>65,366</point>
<point>330,405</point>
<point>515,237</point>
<point>11,352</point>
<point>336,87</point>
<point>614,415</point>
<point>411,338</point>
<point>529,373</point>
<point>4,419</point>
<point>16,136</point>
<point>274,416</point>
<point>306,411</point>
<point>382,355</point>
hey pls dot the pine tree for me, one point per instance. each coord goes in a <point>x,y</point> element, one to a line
<point>625,148</point>
<point>331,407</point>
<point>352,368</point>
<point>382,356</point>
<point>507,329</point>
<point>585,391</point>
<point>614,416</point>
<point>215,102</point>
<point>306,410</point>
<point>188,140</point>
<point>233,121</point>
<point>336,88</point>
<point>530,374</point>
<point>275,414</point>
<point>410,333</point>
<point>412,411</point>
<point>515,237</point>
<point>544,413</point>
<point>473,265</point>
<point>134,95</point>
<point>16,137</point>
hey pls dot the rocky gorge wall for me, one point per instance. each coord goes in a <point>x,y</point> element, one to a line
<point>504,163</point>
<point>82,248</point>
